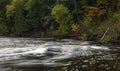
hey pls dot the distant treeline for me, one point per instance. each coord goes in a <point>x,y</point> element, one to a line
<point>82,19</point>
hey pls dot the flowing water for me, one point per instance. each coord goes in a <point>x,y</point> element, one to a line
<point>38,54</point>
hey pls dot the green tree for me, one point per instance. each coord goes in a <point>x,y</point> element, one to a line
<point>38,16</point>
<point>62,15</point>
<point>3,19</point>
<point>3,28</point>
<point>15,12</point>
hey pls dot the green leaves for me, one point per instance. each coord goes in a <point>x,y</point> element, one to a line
<point>16,10</point>
<point>3,28</point>
<point>15,7</point>
<point>59,12</point>
<point>62,15</point>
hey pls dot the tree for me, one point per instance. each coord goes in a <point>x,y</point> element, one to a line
<point>62,15</point>
<point>3,19</point>
<point>3,28</point>
<point>15,12</point>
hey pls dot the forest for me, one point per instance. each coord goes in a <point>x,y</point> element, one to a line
<point>97,20</point>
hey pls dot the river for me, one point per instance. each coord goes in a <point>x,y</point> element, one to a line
<point>46,54</point>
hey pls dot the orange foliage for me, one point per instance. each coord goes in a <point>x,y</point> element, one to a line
<point>94,11</point>
<point>83,37</point>
<point>75,27</point>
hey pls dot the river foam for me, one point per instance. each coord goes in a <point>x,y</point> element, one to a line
<point>28,52</point>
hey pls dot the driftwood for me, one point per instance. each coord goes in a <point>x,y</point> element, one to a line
<point>105,33</point>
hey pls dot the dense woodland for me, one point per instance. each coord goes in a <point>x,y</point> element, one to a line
<point>81,19</point>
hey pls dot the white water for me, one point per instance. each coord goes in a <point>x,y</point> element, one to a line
<point>25,51</point>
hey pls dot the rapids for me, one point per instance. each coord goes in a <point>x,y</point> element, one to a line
<point>46,54</point>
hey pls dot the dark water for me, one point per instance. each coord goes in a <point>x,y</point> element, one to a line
<point>37,54</point>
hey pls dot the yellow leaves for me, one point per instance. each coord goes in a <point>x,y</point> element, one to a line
<point>99,8</point>
<point>101,12</point>
<point>14,7</point>
<point>84,37</point>
<point>10,10</point>
<point>59,12</point>
<point>76,30</point>
<point>75,27</point>
<point>95,11</point>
